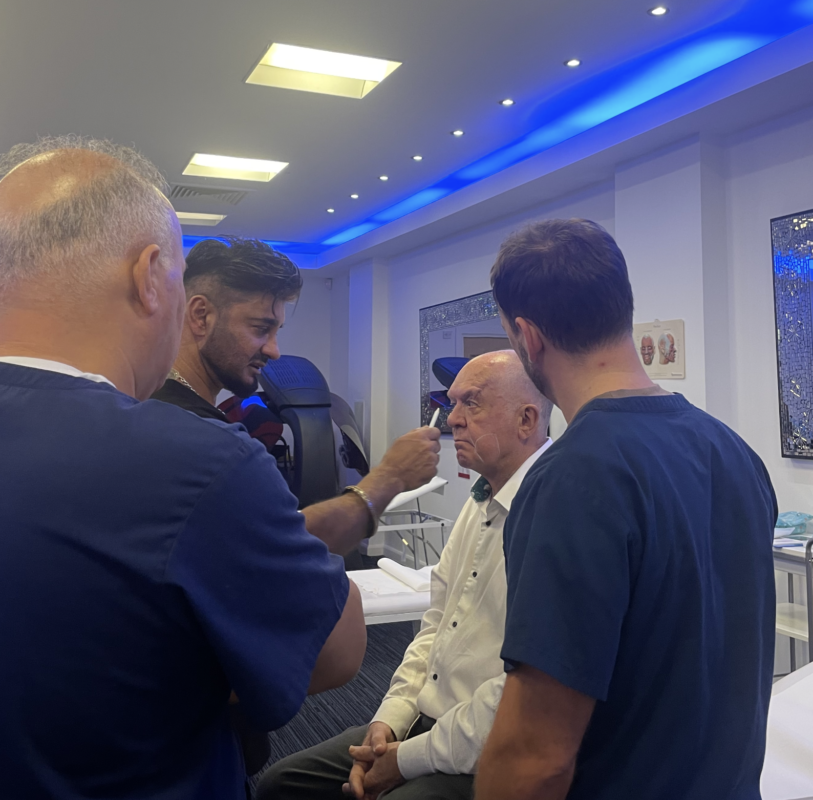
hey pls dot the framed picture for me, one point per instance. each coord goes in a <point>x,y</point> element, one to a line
<point>662,349</point>
<point>792,264</point>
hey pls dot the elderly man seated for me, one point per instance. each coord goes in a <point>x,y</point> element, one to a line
<point>426,738</point>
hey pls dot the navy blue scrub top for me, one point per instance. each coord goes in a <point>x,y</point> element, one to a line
<point>640,573</point>
<point>150,563</point>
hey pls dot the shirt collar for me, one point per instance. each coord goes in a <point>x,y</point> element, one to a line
<point>506,495</point>
<point>54,366</point>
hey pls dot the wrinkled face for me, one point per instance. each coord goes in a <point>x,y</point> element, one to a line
<point>483,423</point>
<point>243,340</point>
<point>647,350</point>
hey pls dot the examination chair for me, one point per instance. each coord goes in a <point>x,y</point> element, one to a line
<point>297,394</point>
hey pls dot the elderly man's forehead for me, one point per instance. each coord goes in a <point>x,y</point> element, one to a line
<point>473,378</point>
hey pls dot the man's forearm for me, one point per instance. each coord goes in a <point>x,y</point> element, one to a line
<point>519,777</point>
<point>342,522</point>
<point>531,751</point>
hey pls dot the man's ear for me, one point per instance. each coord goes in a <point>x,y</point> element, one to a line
<point>528,421</point>
<point>200,314</point>
<point>147,277</point>
<point>531,338</point>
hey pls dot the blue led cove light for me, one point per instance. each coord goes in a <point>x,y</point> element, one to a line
<point>803,8</point>
<point>611,93</point>
<point>350,233</point>
<point>289,248</point>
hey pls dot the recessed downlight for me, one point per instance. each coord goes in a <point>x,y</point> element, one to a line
<point>354,197</point>
<point>331,211</point>
<point>573,62</point>
<point>207,165</point>
<point>658,11</point>
<point>383,177</point>
<point>417,158</point>
<point>507,102</point>
<point>458,132</point>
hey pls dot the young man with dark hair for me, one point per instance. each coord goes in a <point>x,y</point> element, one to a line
<point>236,293</point>
<point>639,631</point>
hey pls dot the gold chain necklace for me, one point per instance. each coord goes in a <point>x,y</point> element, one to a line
<point>176,376</point>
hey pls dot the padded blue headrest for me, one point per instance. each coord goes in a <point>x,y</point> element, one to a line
<point>446,369</point>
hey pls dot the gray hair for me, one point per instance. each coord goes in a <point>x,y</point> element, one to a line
<point>75,239</point>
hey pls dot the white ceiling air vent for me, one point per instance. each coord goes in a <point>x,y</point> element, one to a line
<point>229,196</point>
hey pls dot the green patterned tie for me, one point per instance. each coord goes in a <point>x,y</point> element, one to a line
<point>481,490</point>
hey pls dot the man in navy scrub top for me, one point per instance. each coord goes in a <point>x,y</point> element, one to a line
<point>639,633</point>
<point>152,563</point>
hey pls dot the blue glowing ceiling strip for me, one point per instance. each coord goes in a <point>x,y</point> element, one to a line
<point>602,97</point>
<point>292,248</point>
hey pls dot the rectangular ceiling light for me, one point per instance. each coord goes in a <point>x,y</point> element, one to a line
<point>286,66</point>
<point>208,220</point>
<point>238,169</point>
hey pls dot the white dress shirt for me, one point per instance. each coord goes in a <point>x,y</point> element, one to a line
<point>53,366</point>
<point>452,671</point>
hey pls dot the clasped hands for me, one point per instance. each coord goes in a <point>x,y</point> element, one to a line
<point>375,764</point>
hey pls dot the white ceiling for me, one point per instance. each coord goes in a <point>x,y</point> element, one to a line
<point>168,77</point>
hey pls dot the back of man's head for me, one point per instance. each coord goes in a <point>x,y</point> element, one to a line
<point>231,269</point>
<point>570,279</point>
<point>71,207</point>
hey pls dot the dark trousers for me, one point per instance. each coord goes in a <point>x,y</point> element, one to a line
<point>319,773</point>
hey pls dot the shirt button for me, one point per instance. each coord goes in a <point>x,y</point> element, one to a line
<point>473,574</point>
<point>435,677</point>
<point>488,523</point>
<point>454,624</point>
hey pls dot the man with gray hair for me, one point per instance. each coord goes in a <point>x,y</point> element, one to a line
<point>150,562</point>
<point>425,740</point>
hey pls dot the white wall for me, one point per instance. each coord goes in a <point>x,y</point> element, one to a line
<point>307,330</point>
<point>658,227</point>
<point>340,336</point>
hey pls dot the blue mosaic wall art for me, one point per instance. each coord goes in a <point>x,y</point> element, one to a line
<point>792,243</point>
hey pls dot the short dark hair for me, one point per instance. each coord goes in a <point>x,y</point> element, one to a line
<point>228,268</point>
<point>570,279</point>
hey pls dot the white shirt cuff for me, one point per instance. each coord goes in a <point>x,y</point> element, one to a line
<point>413,757</point>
